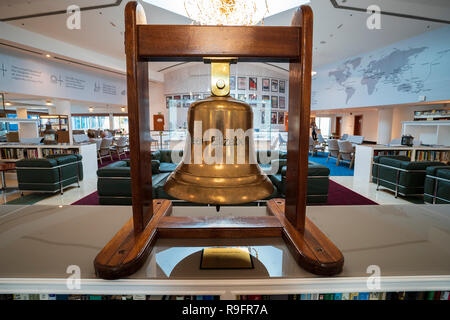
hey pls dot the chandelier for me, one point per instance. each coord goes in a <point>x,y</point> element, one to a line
<point>226,12</point>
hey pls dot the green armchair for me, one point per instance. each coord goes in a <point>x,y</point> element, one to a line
<point>51,174</point>
<point>437,185</point>
<point>114,182</point>
<point>317,183</point>
<point>399,174</point>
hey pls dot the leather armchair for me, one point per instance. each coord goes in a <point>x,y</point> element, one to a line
<point>437,185</point>
<point>51,174</point>
<point>399,174</point>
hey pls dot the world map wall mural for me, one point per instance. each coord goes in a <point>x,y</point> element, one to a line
<point>399,73</point>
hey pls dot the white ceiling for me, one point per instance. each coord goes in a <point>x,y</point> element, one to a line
<point>338,33</point>
<point>273,6</point>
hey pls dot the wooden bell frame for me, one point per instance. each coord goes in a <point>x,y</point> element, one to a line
<point>127,251</point>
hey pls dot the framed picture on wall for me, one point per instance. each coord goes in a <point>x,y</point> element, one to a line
<point>265,98</point>
<point>242,83</point>
<point>241,96</point>
<point>252,96</point>
<point>280,117</point>
<point>178,104</point>
<point>274,100</point>
<point>186,101</point>
<point>252,83</point>
<point>168,101</point>
<point>282,87</point>
<point>265,84</point>
<point>263,117</point>
<point>274,85</point>
<point>273,117</point>
<point>232,83</point>
<point>196,96</point>
<point>282,102</point>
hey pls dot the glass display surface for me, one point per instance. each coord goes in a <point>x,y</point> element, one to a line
<point>403,240</point>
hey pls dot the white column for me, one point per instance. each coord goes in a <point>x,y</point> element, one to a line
<point>62,107</point>
<point>384,125</point>
<point>111,122</point>
<point>21,113</point>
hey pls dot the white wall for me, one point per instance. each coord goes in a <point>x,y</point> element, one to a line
<point>369,126</point>
<point>195,78</point>
<point>158,103</point>
<point>406,113</point>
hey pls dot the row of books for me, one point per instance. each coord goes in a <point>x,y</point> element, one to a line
<point>17,153</point>
<point>421,155</point>
<point>442,156</point>
<point>100,297</point>
<point>392,153</point>
<point>411,295</point>
<point>47,152</point>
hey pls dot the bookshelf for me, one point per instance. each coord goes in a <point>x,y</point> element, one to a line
<point>364,155</point>
<point>12,152</point>
<point>428,132</point>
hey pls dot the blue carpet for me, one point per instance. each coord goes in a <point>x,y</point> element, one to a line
<point>341,170</point>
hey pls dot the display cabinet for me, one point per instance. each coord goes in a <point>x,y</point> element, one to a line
<point>59,122</point>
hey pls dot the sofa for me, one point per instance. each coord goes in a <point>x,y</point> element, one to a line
<point>437,185</point>
<point>114,184</point>
<point>51,174</point>
<point>399,174</point>
<point>317,183</point>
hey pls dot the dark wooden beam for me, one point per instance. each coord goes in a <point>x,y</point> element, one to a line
<point>127,251</point>
<point>312,249</point>
<point>139,124</point>
<point>299,113</point>
<point>196,42</point>
<point>219,227</point>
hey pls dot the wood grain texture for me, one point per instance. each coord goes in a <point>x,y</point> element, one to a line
<point>311,248</point>
<point>139,124</point>
<point>299,117</point>
<point>127,251</point>
<point>175,41</point>
<point>219,227</point>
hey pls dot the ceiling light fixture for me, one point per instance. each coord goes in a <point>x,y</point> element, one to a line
<point>48,56</point>
<point>91,109</point>
<point>226,12</point>
<point>123,109</point>
<point>313,73</point>
<point>8,104</point>
<point>48,103</point>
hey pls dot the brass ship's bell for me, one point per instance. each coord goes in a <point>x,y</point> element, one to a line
<point>219,163</point>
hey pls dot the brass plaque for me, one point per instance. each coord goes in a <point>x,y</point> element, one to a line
<point>226,258</point>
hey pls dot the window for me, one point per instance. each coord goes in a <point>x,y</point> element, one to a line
<point>324,124</point>
<point>90,122</point>
<point>121,122</point>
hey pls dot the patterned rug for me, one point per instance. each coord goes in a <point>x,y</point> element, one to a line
<point>338,195</point>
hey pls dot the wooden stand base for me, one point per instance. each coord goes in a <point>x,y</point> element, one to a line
<point>127,251</point>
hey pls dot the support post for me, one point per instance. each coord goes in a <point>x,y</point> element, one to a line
<point>139,124</point>
<point>299,113</point>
